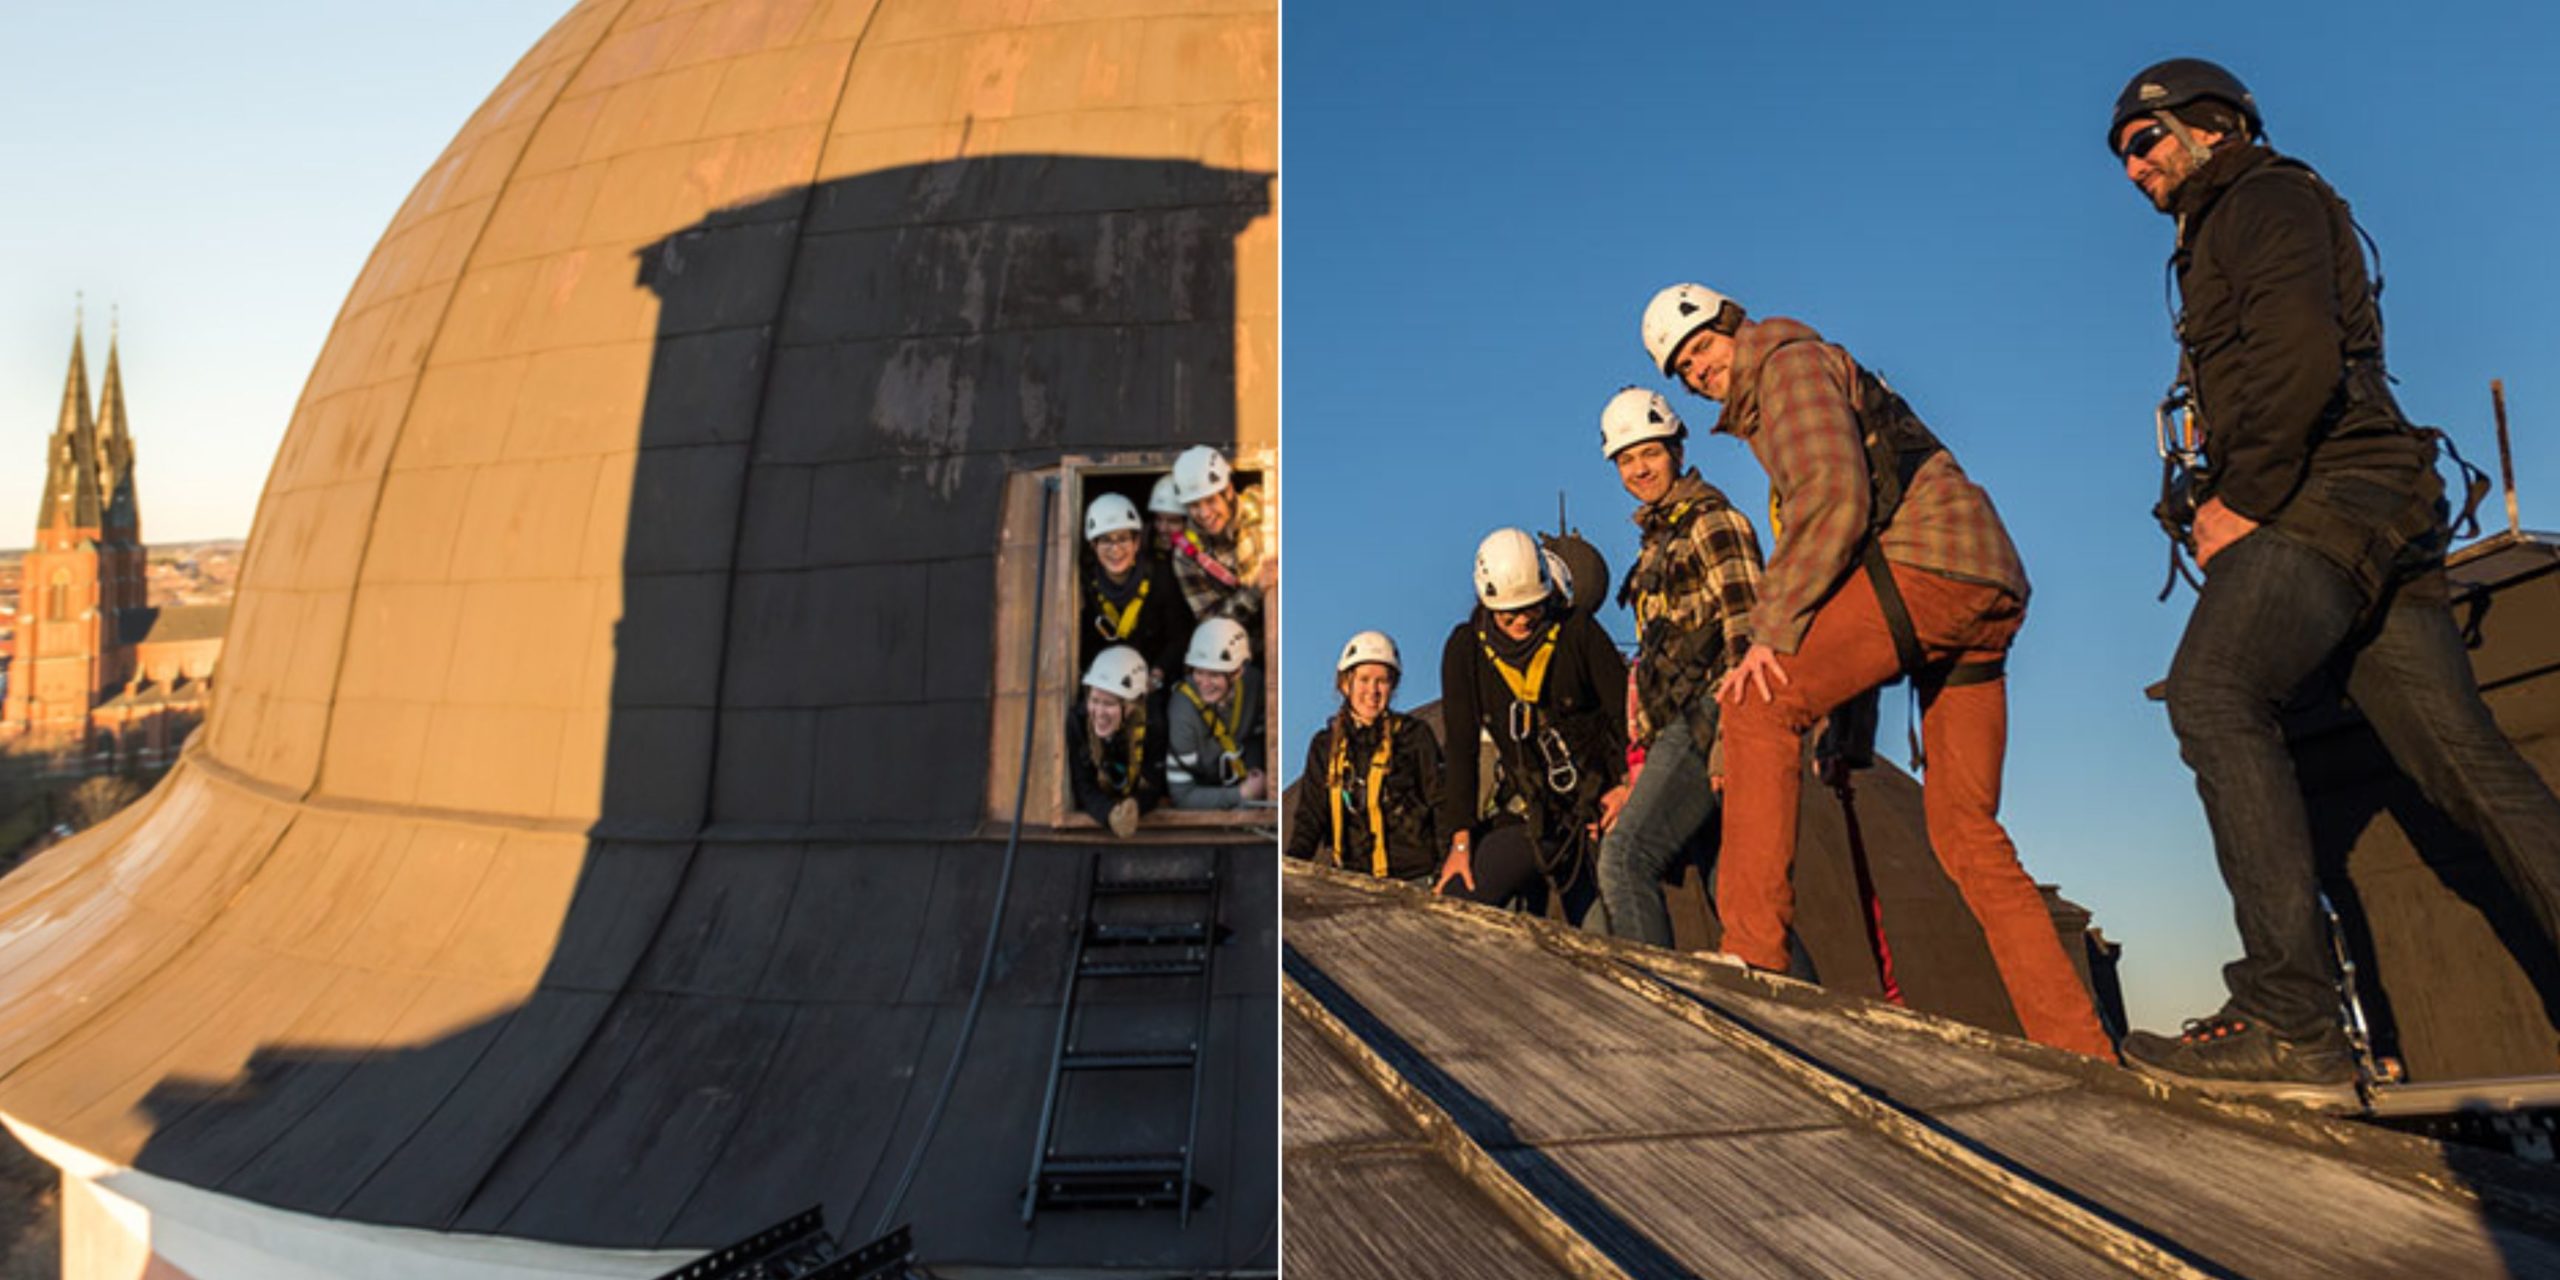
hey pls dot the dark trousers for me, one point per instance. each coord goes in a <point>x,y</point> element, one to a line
<point>2272,613</point>
<point>1507,863</point>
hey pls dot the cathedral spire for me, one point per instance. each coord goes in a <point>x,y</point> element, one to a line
<point>122,508</point>
<point>71,495</point>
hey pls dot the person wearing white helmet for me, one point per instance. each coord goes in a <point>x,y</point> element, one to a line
<point>1547,684</point>
<point>1370,792</point>
<point>1129,597</point>
<point>1215,757</point>
<point>1115,762</point>
<point>1220,557</point>
<point>1166,517</point>
<point>1891,563</point>
<point>1696,578</point>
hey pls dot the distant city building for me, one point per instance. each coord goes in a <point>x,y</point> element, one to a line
<point>100,678</point>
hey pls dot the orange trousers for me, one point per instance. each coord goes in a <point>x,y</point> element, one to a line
<point>1965,733</point>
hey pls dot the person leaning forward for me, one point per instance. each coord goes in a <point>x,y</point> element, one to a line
<point>2321,532</point>
<point>1692,588</point>
<point>1544,682</point>
<point>1914,575</point>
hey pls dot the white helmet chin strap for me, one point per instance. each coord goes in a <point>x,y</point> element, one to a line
<point>2196,151</point>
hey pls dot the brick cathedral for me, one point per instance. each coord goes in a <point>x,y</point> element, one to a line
<point>100,678</point>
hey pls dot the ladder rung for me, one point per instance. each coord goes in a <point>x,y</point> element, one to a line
<point>1095,968</point>
<point>1168,1163</point>
<point>1128,1061</point>
<point>1156,884</point>
<point>1147,934</point>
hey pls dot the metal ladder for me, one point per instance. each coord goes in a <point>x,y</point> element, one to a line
<point>1148,925</point>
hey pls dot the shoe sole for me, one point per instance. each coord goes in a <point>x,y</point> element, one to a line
<point>2332,1099</point>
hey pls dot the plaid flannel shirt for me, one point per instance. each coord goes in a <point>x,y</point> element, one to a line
<point>1790,401</point>
<point>1239,551</point>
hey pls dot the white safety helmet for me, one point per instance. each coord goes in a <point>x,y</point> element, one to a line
<point>1111,513</point>
<point>1511,572</point>
<point>1677,312</point>
<point>1632,417</point>
<point>1370,646</point>
<point>1161,502</point>
<point>1200,472</point>
<point>1219,644</point>
<point>1120,670</point>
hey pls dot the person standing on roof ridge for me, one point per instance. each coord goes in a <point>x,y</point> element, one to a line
<point>1892,563</point>
<point>2321,529</point>
<point>1370,791</point>
<point>1692,588</point>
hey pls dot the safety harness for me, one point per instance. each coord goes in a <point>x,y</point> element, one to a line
<point>1337,770</point>
<point>1224,731</point>
<point>1118,621</point>
<point>1191,550</point>
<point>1128,771</point>
<point>2180,432</point>
<point>1898,444</point>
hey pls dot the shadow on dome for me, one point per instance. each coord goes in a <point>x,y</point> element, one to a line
<point>778,916</point>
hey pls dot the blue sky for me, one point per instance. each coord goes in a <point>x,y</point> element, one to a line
<point>219,172</point>
<point>1480,201</point>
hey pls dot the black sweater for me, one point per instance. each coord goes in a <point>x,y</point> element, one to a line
<point>1585,697</point>
<point>1162,632</point>
<point>2283,337</point>
<point>1409,802</point>
<point>1093,794</point>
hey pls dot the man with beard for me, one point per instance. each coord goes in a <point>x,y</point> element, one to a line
<point>2321,530</point>
<point>1892,563</point>
<point>1695,580</point>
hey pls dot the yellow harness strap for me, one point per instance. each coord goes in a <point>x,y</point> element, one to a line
<point>1525,687</point>
<point>1224,732</point>
<point>1118,621</point>
<point>1334,772</point>
<point>1128,785</point>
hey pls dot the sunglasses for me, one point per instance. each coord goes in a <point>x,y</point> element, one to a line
<point>2141,143</point>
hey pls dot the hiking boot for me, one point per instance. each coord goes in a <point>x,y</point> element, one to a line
<point>2232,1053</point>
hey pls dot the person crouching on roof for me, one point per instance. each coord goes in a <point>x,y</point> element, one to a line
<point>1547,684</point>
<point>1370,791</point>
<point>1130,597</point>
<point>1166,518</point>
<point>1115,761</point>
<point>1220,557</point>
<point>1215,718</point>
<point>1896,567</point>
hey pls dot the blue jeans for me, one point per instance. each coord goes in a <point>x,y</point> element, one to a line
<point>1671,800</point>
<point>2271,614</point>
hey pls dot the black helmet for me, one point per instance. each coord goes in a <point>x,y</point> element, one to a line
<point>2167,86</point>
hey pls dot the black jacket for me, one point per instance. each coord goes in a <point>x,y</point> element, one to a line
<point>1585,697</point>
<point>2282,335</point>
<point>1096,794</point>
<point>1409,800</point>
<point>1162,629</point>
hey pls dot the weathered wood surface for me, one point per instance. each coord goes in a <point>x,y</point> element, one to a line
<point>1697,1158</point>
<point>1362,1185</point>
